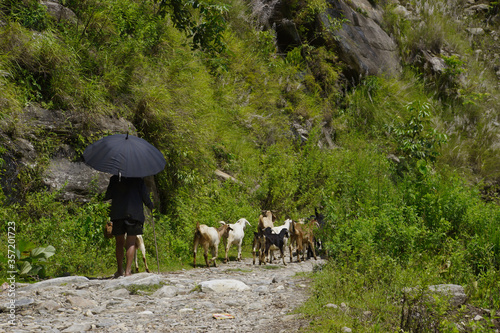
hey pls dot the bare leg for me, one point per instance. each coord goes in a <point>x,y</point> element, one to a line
<point>130,247</point>
<point>120,242</point>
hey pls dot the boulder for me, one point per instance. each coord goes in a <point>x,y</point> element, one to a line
<point>362,44</point>
<point>419,310</point>
<point>59,12</point>
<point>455,293</point>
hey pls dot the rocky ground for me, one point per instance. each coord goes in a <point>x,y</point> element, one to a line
<point>256,298</point>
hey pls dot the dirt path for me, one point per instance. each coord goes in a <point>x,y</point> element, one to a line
<point>257,298</point>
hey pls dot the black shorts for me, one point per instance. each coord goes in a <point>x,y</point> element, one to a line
<point>130,227</point>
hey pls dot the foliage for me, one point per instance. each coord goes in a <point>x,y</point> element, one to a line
<point>205,25</point>
<point>417,141</point>
<point>32,261</point>
<point>30,14</point>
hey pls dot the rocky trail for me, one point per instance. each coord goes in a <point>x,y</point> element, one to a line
<point>247,297</point>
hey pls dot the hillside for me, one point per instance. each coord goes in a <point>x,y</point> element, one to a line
<point>381,115</point>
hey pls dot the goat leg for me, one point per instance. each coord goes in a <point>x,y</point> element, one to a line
<point>283,255</point>
<point>313,250</point>
<point>145,263</point>
<point>226,258</point>
<point>206,259</point>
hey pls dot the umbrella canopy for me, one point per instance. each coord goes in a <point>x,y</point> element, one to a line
<point>124,154</point>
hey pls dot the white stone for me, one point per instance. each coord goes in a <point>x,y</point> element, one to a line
<point>147,313</point>
<point>331,305</point>
<point>223,285</point>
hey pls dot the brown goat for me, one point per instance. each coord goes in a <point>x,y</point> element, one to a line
<point>302,235</point>
<point>209,238</point>
<point>259,243</point>
<point>266,220</point>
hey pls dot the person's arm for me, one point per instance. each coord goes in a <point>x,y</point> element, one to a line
<point>145,196</point>
<point>109,190</point>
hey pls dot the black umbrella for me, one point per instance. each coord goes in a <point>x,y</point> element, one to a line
<point>124,154</point>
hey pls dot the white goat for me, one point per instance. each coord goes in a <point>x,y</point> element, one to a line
<point>139,245</point>
<point>235,236</point>
<point>209,238</point>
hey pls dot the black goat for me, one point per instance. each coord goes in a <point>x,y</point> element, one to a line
<point>276,242</point>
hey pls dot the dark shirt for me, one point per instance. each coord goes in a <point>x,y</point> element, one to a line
<point>127,196</point>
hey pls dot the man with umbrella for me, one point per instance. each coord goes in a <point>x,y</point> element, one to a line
<point>127,214</point>
<point>129,159</point>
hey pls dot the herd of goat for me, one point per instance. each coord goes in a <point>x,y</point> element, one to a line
<point>267,238</point>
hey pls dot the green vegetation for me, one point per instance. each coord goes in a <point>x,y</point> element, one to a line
<point>137,289</point>
<point>205,85</point>
<point>32,262</point>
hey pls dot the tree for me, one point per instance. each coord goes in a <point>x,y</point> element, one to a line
<point>204,22</point>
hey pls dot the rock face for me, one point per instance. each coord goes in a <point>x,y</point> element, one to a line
<point>65,169</point>
<point>256,298</point>
<point>78,180</point>
<point>362,44</point>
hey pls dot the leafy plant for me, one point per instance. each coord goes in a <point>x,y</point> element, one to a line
<point>30,13</point>
<point>416,139</point>
<point>31,261</point>
<point>205,25</point>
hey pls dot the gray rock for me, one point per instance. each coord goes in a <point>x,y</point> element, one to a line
<point>122,292</point>
<point>106,322</point>
<point>166,292</point>
<point>8,305</point>
<point>223,285</point>
<point>59,12</point>
<point>55,282</point>
<point>456,292</point>
<point>331,305</point>
<point>81,302</point>
<point>49,305</point>
<point>363,45</point>
<point>480,8</point>
<point>140,279</point>
<point>476,31</point>
<point>83,327</point>
<point>401,11</point>
<point>78,179</point>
